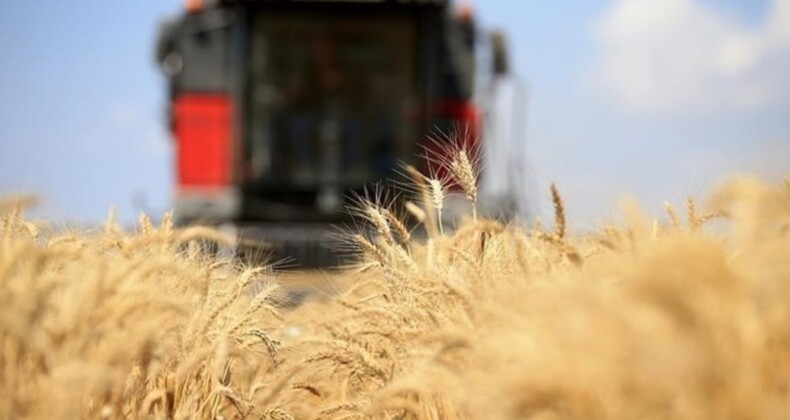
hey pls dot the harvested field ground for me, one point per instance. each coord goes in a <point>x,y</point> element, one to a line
<point>683,317</point>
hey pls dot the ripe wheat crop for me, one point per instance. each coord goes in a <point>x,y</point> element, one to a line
<point>682,318</point>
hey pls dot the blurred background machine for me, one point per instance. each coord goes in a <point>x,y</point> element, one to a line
<point>282,109</point>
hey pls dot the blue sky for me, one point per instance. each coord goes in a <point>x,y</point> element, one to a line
<point>657,98</point>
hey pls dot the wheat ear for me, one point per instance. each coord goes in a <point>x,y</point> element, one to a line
<point>420,182</point>
<point>463,172</point>
<point>673,215</point>
<point>691,213</point>
<point>397,225</point>
<point>376,218</point>
<point>369,248</point>
<point>559,212</point>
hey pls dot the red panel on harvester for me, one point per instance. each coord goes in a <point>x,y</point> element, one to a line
<point>202,125</point>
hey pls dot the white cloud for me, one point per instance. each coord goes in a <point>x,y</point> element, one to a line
<point>665,55</point>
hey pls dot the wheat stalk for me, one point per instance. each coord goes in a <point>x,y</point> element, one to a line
<point>437,199</point>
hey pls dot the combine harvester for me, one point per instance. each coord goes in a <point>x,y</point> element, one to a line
<point>281,110</point>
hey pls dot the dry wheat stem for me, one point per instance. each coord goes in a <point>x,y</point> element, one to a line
<point>437,199</point>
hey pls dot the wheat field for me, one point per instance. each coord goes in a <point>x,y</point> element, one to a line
<point>681,317</point>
